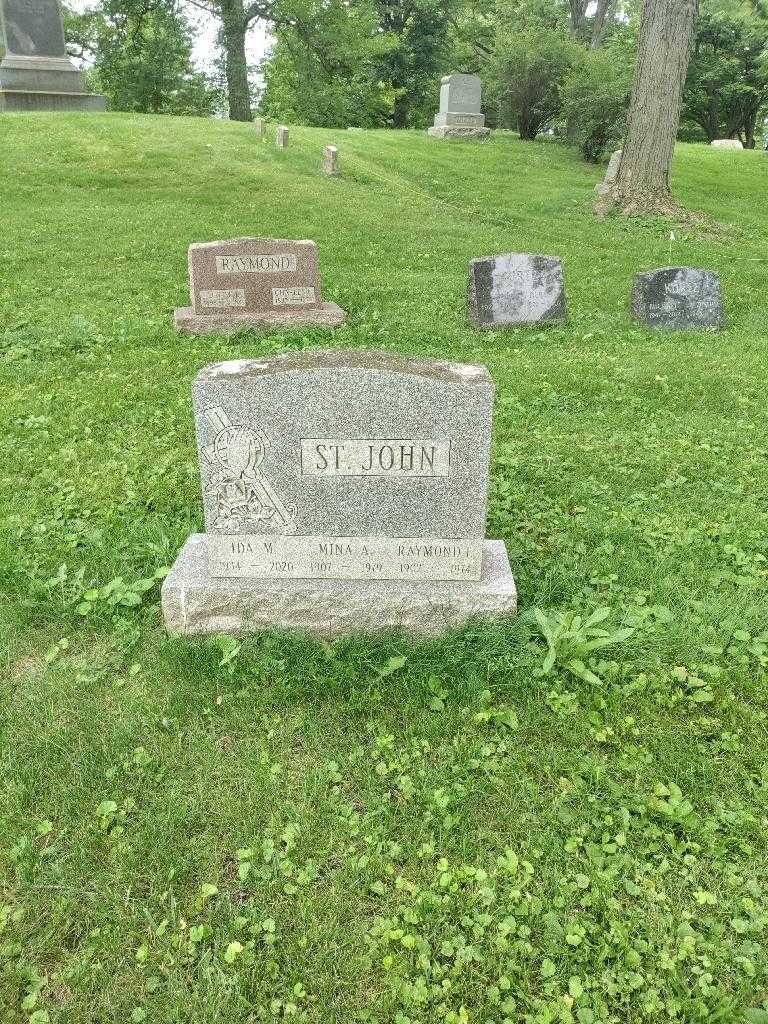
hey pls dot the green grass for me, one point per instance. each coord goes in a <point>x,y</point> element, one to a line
<point>442,833</point>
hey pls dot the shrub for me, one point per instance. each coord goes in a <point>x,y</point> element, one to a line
<point>526,75</point>
<point>596,99</point>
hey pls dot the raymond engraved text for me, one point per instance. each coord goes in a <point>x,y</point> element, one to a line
<point>281,263</point>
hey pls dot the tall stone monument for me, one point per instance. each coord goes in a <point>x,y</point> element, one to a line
<point>459,116</point>
<point>343,491</point>
<point>35,72</point>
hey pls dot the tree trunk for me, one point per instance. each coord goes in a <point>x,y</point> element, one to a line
<point>603,14</point>
<point>750,120</point>
<point>238,91</point>
<point>527,130</point>
<point>663,52</point>
<point>578,10</point>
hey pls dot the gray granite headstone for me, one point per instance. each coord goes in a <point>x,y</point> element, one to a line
<point>678,298</point>
<point>459,115</point>
<point>515,288</point>
<point>281,137</point>
<point>35,72</point>
<point>342,490</point>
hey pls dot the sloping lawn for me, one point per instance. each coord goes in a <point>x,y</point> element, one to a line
<point>378,830</point>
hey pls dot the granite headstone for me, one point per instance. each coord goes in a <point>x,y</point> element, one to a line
<point>331,162</point>
<point>602,188</point>
<point>678,298</point>
<point>342,490</point>
<point>515,288</point>
<point>35,71</point>
<point>254,282</point>
<point>727,144</point>
<point>258,126</point>
<point>281,137</point>
<point>459,116</point>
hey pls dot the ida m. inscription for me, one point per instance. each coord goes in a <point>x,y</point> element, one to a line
<point>324,456</point>
<point>345,558</point>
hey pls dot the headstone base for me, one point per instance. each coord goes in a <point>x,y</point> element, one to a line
<point>19,101</point>
<point>456,132</point>
<point>195,602</point>
<point>186,320</point>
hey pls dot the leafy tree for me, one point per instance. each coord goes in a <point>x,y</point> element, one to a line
<point>368,62</point>
<point>596,98</point>
<point>325,66</point>
<point>727,84</point>
<point>141,52</point>
<point>527,74</point>
<point>235,18</point>
<point>81,31</point>
<point>419,57</point>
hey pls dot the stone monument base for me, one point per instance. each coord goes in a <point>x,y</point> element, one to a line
<point>45,83</point>
<point>185,319</point>
<point>455,132</point>
<point>18,101</point>
<point>195,602</point>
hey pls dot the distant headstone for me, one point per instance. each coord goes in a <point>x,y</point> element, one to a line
<point>258,126</point>
<point>459,116</point>
<point>515,288</point>
<point>727,144</point>
<point>354,129</point>
<point>254,282</point>
<point>611,173</point>
<point>35,72</point>
<point>678,298</point>
<point>331,161</point>
<point>343,491</point>
<point>281,139</point>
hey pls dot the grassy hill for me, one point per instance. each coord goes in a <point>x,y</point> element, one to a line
<point>381,831</point>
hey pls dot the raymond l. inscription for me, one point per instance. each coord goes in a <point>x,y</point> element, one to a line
<point>326,456</point>
<point>247,263</point>
<point>345,558</point>
<point>222,298</point>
